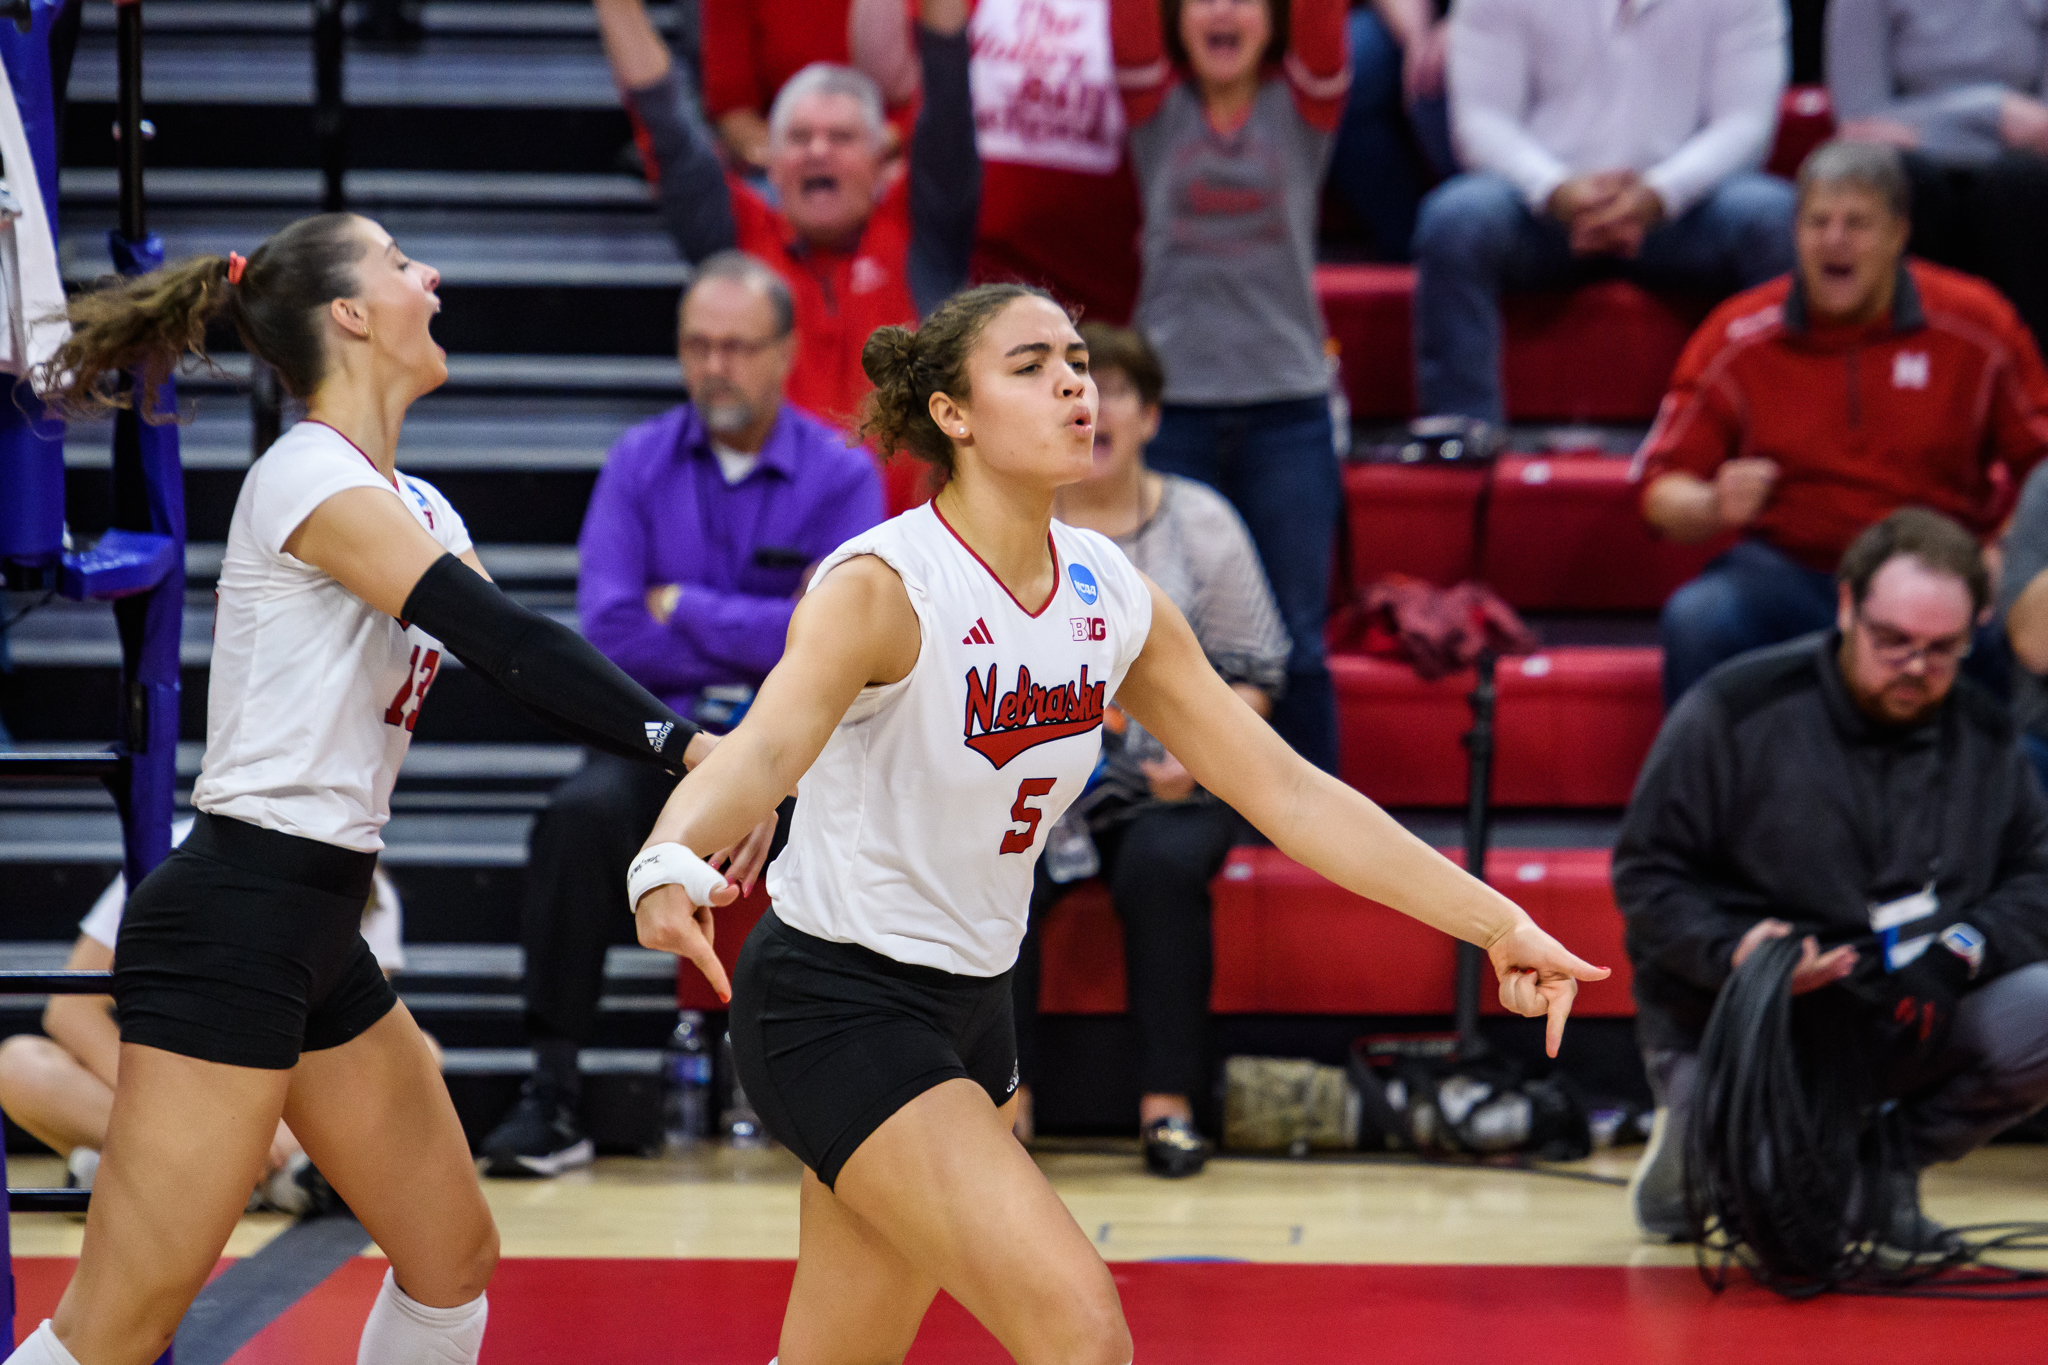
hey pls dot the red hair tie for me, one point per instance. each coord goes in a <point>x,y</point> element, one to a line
<point>237,263</point>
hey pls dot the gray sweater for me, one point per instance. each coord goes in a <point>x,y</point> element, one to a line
<point>1768,793</point>
<point>1942,66</point>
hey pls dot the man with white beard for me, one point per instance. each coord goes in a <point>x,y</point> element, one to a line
<point>700,536</point>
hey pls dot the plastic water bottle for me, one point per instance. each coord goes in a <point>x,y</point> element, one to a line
<point>742,1125</point>
<point>686,1084</point>
<point>1340,398</point>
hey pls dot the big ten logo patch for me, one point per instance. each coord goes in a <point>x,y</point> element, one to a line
<point>1910,370</point>
<point>1089,627</point>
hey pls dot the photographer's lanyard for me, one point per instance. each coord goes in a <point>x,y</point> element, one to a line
<point>1904,925</point>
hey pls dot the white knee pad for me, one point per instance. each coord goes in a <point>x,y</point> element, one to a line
<point>42,1348</point>
<point>402,1331</point>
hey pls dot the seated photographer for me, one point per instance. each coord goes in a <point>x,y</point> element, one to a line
<point>60,1087</point>
<point>1158,838</point>
<point>1849,788</point>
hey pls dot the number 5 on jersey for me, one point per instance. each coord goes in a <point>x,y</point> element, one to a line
<point>1020,840</point>
<point>404,710</point>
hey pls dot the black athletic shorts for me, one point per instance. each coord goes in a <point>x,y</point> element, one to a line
<point>245,946</point>
<point>830,1039</point>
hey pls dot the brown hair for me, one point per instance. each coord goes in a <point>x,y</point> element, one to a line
<point>1125,350</point>
<point>908,367</point>
<point>1928,536</point>
<point>1277,15</point>
<point>151,323</point>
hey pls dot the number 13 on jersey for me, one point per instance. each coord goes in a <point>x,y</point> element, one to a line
<point>404,710</point>
<point>1020,840</point>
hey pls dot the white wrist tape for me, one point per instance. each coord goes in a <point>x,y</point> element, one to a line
<point>671,865</point>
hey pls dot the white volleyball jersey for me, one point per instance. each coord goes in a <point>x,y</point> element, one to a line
<point>919,825</point>
<point>314,692</point>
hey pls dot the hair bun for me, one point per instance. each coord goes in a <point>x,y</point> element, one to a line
<point>888,355</point>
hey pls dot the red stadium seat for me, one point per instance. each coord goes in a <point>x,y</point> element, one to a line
<point>1289,942</point>
<point>1806,118</point>
<point>1599,354</point>
<point>1573,727</point>
<point>1563,533</point>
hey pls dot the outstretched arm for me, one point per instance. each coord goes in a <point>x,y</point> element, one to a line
<point>1320,822</point>
<point>852,630</point>
<point>945,169</point>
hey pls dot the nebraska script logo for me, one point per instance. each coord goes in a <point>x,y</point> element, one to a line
<point>1001,727</point>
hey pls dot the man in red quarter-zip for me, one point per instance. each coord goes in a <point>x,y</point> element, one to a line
<point>1813,406</point>
<point>859,247</point>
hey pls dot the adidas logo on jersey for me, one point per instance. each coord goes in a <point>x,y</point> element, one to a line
<point>979,635</point>
<point>658,732</point>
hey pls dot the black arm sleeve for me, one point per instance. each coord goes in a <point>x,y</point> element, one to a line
<point>945,173</point>
<point>696,205</point>
<point>545,666</point>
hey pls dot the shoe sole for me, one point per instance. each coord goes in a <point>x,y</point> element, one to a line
<point>1651,1151</point>
<point>516,1165</point>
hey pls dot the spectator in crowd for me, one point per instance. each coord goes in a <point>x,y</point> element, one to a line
<point>747,59</point>
<point>1159,838</point>
<point>1233,106</point>
<point>1826,787</point>
<point>1808,408</point>
<point>1395,142</point>
<point>701,533</point>
<point>59,1085</point>
<point>2023,615</point>
<point>1599,141</point>
<point>1963,89</point>
<point>1058,206</point>
<point>858,251</point>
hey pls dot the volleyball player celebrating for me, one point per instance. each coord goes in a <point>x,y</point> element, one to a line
<point>940,700</point>
<point>244,989</point>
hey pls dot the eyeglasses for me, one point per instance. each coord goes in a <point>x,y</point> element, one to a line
<point>1894,648</point>
<point>697,350</point>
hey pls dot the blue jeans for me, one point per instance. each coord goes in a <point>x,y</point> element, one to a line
<point>1375,167</point>
<point>1477,237</point>
<point>1275,463</point>
<point>1750,597</point>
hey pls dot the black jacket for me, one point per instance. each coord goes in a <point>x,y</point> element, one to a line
<point>1768,793</point>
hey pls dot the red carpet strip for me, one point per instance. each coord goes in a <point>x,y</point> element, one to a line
<point>639,1312</point>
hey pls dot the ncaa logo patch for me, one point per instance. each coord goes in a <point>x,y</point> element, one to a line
<point>1084,583</point>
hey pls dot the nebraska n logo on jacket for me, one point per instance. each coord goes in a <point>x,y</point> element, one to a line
<point>1028,715</point>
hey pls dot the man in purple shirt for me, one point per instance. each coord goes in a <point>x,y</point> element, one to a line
<point>701,534</point>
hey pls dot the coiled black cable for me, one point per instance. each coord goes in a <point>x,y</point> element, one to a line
<point>1788,1156</point>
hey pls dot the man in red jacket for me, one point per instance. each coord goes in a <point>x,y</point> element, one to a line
<point>858,250</point>
<point>1810,407</point>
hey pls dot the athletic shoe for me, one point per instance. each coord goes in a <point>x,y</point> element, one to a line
<point>298,1188</point>
<point>1174,1149</point>
<point>540,1137</point>
<point>1909,1235</point>
<point>80,1168</point>
<point>1656,1192</point>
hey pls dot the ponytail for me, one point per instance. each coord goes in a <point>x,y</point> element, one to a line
<point>151,324</point>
